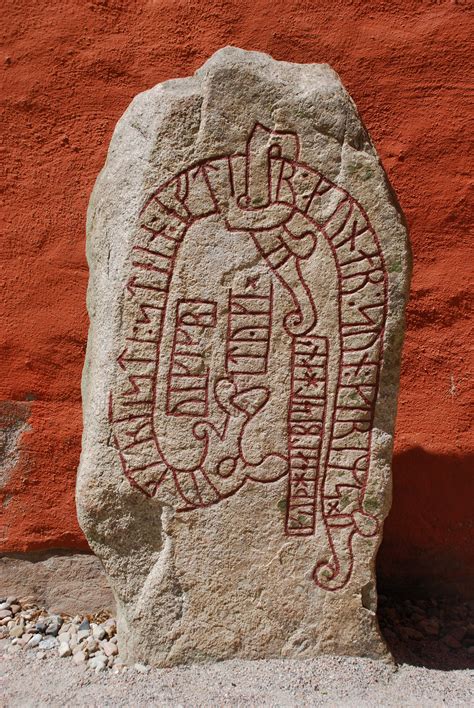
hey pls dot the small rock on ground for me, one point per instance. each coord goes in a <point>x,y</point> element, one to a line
<point>327,681</point>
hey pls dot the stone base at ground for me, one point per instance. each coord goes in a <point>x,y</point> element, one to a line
<point>445,679</point>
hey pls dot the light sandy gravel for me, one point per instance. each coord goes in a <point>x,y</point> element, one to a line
<point>328,681</point>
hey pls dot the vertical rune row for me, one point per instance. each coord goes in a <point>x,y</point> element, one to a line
<point>362,312</point>
<point>285,206</point>
<point>306,419</point>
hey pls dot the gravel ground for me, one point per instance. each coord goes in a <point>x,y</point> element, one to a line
<point>431,639</point>
<point>51,681</point>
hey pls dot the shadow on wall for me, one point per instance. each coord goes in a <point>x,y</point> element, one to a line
<point>428,543</point>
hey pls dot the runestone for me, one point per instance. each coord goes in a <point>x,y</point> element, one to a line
<point>249,270</point>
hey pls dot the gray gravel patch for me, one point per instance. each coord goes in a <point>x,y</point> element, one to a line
<point>27,680</point>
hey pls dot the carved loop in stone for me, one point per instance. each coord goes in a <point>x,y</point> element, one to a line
<point>284,226</point>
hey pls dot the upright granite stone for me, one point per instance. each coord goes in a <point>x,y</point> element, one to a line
<point>249,270</point>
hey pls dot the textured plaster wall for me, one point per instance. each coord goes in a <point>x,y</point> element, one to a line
<point>70,68</point>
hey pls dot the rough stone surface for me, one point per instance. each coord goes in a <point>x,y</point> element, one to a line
<point>249,270</point>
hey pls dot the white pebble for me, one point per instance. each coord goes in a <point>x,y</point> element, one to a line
<point>79,658</point>
<point>109,648</point>
<point>92,645</point>
<point>98,662</point>
<point>35,640</point>
<point>48,643</point>
<point>64,650</point>
<point>98,632</point>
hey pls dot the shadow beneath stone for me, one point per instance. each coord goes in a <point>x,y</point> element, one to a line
<point>425,566</point>
<point>427,548</point>
<point>435,633</point>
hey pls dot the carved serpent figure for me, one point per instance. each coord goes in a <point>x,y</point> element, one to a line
<point>285,207</point>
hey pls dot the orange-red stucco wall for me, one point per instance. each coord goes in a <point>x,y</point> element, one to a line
<point>71,67</point>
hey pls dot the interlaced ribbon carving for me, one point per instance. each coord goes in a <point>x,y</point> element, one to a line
<point>285,206</point>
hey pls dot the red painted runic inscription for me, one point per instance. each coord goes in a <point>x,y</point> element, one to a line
<point>248,329</point>
<point>283,208</point>
<point>306,417</point>
<point>188,378</point>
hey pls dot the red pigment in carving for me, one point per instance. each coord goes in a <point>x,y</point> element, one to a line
<point>265,210</point>
<point>249,322</point>
<point>187,390</point>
